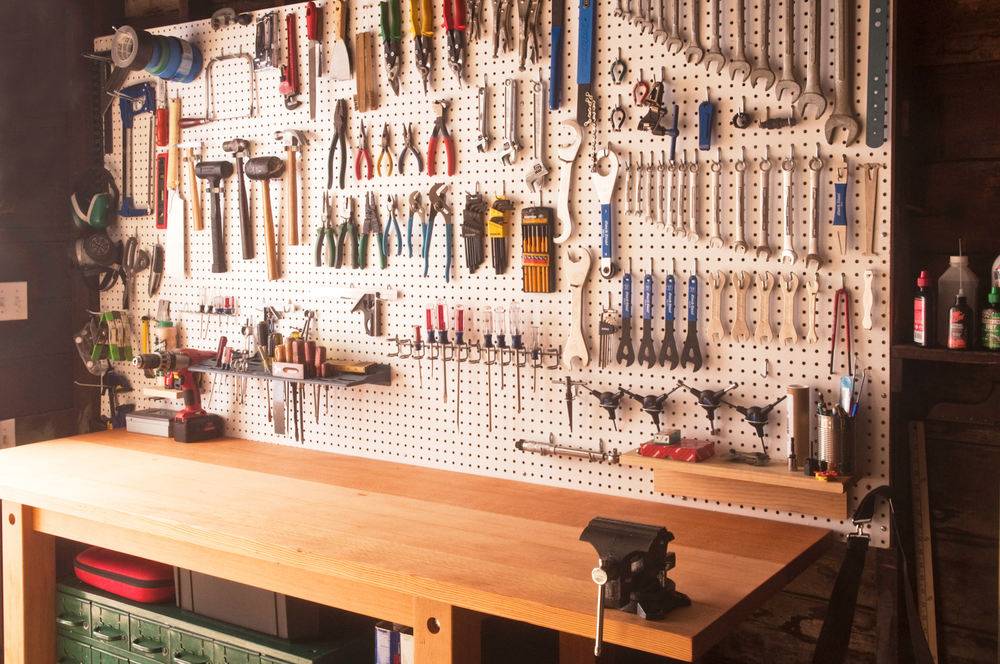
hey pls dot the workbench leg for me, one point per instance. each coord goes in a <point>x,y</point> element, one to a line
<point>444,634</point>
<point>29,589</point>
<point>574,649</point>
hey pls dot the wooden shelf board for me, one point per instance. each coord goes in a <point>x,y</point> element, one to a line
<point>762,486</point>
<point>913,352</point>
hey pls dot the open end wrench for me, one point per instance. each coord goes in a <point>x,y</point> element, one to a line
<point>566,153</point>
<point>738,63</point>
<point>668,349</point>
<point>787,226</point>
<point>787,333</point>
<point>660,31</point>
<point>691,352</point>
<point>714,56</point>
<point>576,270</point>
<point>812,98</point>
<point>674,42</point>
<point>604,187</point>
<point>692,185</point>
<point>715,240</point>
<point>763,248</point>
<point>788,83</point>
<point>763,283</point>
<point>763,73</point>
<point>741,329</point>
<point>716,327</point>
<point>812,288</point>
<point>668,196</point>
<point>740,166</point>
<point>813,258</point>
<point>843,116</point>
<point>694,53</point>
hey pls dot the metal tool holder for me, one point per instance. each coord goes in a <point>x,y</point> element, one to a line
<point>406,423</point>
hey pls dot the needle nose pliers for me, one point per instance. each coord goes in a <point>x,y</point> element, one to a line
<point>386,152</point>
<point>363,156</point>
<point>409,149</point>
<point>338,144</point>
<point>392,223</point>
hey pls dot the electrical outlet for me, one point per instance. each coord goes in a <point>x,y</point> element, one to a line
<point>7,434</point>
<point>14,300</point>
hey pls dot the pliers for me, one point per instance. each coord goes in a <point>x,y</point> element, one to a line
<point>423,32</point>
<point>338,143</point>
<point>386,152</point>
<point>440,133</point>
<point>409,149</point>
<point>416,210</point>
<point>347,227</point>
<point>454,22</point>
<point>391,19</point>
<point>439,206</point>
<point>325,237</point>
<point>363,155</point>
<point>372,227</point>
<point>391,209</point>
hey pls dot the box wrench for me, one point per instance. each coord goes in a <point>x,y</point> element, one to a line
<point>813,258</point>
<point>763,249</point>
<point>740,166</point>
<point>604,187</point>
<point>788,254</point>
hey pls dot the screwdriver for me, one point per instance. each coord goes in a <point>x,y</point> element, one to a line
<point>418,346</point>
<point>517,345</point>
<point>442,334</point>
<point>535,352</point>
<point>459,338</point>
<point>488,345</point>
<point>499,321</point>
<point>430,337</point>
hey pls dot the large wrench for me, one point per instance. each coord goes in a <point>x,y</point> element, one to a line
<point>787,333</point>
<point>843,116</point>
<point>763,72</point>
<point>787,226</point>
<point>738,64</point>
<point>813,259</point>
<point>538,172</point>
<point>715,240</point>
<point>740,166</point>
<point>576,270</point>
<point>566,153</point>
<point>812,97</point>
<point>674,42</point>
<point>763,248</point>
<point>668,197</point>
<point>680,230</point>
<point>714,56</point>
<point>604,187</point>
<point>660,31</point>
<point>508,153</point>
<point>788,83</point>
<point>694,53</point>
<point>741,329</point>
<point>693,199</point>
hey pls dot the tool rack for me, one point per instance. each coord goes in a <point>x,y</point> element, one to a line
<point>410,424</point>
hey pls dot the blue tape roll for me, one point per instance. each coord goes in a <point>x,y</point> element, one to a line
<point>174,60</point>
<point>193,65</point>
<point>163,54</point>
<point>154,57</point>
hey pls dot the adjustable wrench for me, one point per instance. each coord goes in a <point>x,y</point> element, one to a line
<point>715,240</point>
<point>812,97</point>
<point>763,249</point>
<point>566,153</point>
<point>763,73</point>
<point>692,185</point>
<point>604,187</point>
<point>843,116</point>
<point>576,270</point>
<point>538,172</point>
<point>813,259</point>
<point>674,42</point>
<point>787,226</point>
<point>694,53</point>
<point>482,101</point>
<point>508,153</point>
<point>714,56</point>
<point>788,83</point>
<point>738,64</point>
<point>740,166</point>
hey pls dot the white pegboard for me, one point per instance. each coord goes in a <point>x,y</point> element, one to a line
<point>367,421</point>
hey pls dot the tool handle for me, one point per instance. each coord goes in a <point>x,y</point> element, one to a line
<point>246,230</point>
<point>291,195</point>
<point>670,299</point>
<point>409,236</point>
<point>395,20</point>
<point>312,21</point>
<point>556,57</point>
<point>218,244</point>
<point>627,295</point>
<point>606,231</point>
<point>426,18</point>
<point>271,256</point>
<point>173,153</point>
<point>383,19</point>
<point>692,298</point>
<point>428,233</point>
<point>585,54</point>
<point>647,297</point>
<point>840,204</point>
<point>449,16</point>
<point>706,122</point>
<point>318,247</point>
<point>447,252</point>
<point>337,7</point>
<point>196,216</point>
<point>363,250</point>
<point>162,126</point>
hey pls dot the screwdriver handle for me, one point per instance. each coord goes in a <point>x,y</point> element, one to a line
<point>312,21</point>
<point>627,295</point>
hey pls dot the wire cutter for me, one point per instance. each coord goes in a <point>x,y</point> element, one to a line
<point>373,226</point>
<point>441,133</point>
<point>416,210</point>
<point>454,22</point>
<point>409,149</point>
<point>423,32</point>
<point>439,206</point>
<point>386,152</point>
<point>390,16</point>
<point>325,237</point>
<point>363,155</point>
<point>391,209</point>
<point>338,144</point>
<point>841,301</point>
<point>347,227</point>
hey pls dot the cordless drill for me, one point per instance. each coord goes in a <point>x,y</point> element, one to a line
<point>192,423</point>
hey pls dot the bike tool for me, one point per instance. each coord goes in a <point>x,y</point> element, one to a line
<point>692,347</point>
<point>585,100</point>
<point>626,353</point>
<point>646,352</point>
<point>668,349</point>
<point>604,186</point>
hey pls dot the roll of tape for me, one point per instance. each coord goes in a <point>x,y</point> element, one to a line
<point>187,62</point>
<point>154,57</point>
<point>131,48</point>
<point>173,60</point>
<point>197,60</point>
<point>163,56</point>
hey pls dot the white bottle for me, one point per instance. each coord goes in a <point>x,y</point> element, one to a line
<point>958,275</point>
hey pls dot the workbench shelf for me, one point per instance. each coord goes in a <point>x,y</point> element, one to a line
<point>730,482</point>
<point>919,353</point>
<point>380,374</point>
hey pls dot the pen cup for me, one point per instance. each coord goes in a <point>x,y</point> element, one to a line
<point>835,441</point>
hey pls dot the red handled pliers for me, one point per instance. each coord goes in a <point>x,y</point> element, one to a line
<point>841,306</point>
<point>441,133</point>
<point>363,155</point>
<point>454,23</point>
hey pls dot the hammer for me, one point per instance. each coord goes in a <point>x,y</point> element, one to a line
<point>266,169</point>
<point>240,149</point>
<point>215,172</point>
<point>293,139</point>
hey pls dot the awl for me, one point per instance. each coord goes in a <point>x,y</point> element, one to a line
<point>315,55</point>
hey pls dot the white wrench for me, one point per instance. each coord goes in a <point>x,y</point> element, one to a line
<point>566,153</point>
<point>715,240</point>
<point>763,249</point>
<point>740,245</point>
<point>693,199</point>
<point>787,227</point>
<point>813,259</point>
<point>576,270</point>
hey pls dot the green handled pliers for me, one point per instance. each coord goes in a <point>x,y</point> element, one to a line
<point>325,237</point>
<point>372,226</point>
<point>347,227</point>
<point>390,15</point>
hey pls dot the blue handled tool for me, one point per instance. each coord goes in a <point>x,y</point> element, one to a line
<point>840,207</point>
<point>416,210</point>
<point>668,349</point>
<point>556,53</point>
<point>692,347</point>
<point>604,187</point>
<point>626,353</point>
<point>585,61</point>
<point>646,352</point>
<point>706,122</point>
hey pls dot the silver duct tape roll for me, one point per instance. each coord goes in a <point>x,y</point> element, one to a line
<point>799,420</point>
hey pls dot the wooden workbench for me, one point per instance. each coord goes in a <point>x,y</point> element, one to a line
<point>429,548</point>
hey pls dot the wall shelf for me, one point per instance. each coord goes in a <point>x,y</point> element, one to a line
<point>919,353</point>
<point>381,374</point>
<point>733,483</point>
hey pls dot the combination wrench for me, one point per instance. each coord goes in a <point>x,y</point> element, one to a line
<point>813,258</point>
<point>715,240</point>
<point>674,42</point>
<point>812,98</point>
<point>668,196</point>
<point>843,116</point>
<point>738,63</point>
<point>763,248</point>
<point>740,166</point>
<point>680,230</point>
<point>629,185</point>
<point>692,185</point>
<point>714,56</point>
<point>694,53</point>
<point>763,72</point>
<point>787,224</point>
<point>788,83</point>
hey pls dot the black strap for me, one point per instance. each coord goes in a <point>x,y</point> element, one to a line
<point>831,647</point>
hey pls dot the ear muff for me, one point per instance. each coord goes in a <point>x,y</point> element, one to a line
<point>94,202</point>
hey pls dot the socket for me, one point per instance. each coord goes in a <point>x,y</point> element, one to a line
<point>14,300</point>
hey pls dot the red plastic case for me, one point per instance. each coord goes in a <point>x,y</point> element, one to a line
<point>133,578</point>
